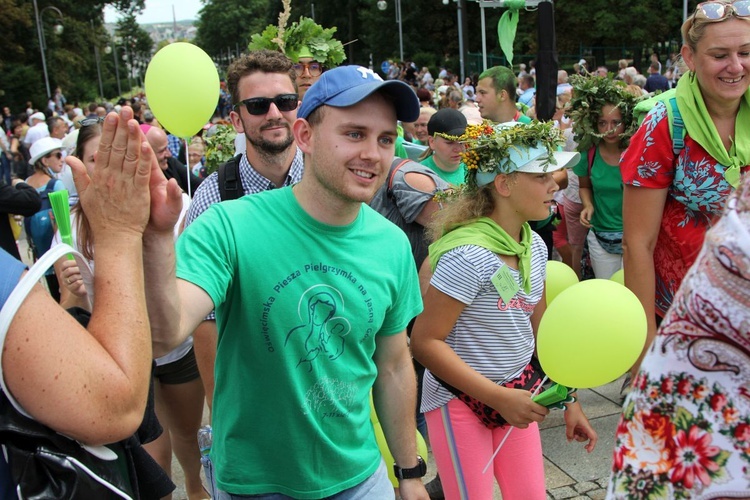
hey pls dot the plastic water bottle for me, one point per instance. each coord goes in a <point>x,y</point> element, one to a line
<point>205,439</point>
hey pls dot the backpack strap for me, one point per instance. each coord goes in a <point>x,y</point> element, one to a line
<point>230,183</point>
<point>396,164</point>
<point>678,128</point>
<point>50,187</point>
<point>591,154</point>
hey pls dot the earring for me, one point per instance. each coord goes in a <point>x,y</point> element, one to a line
<point>691,76</point>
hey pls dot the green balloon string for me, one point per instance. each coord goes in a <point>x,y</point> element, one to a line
<point>506,27</point>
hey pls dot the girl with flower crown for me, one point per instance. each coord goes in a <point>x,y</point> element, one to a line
<point>602,110</point>
<point>476,336</point>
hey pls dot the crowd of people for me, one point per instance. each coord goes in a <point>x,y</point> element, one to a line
<point>277,291</point>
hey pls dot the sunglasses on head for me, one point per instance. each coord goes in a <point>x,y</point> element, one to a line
<point>718,11</point>
<point>314,68</point>
<point>261,105</point>
<point>86,122</point>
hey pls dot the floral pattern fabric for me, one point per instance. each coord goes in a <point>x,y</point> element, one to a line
<point>696,195</point>
<point>685,427</point>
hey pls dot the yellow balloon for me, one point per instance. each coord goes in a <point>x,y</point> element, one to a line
<point>619,277</point>
<point>591,334</point>
<point>182,88</point>
<point>388,457</point>
<point>559,277</point>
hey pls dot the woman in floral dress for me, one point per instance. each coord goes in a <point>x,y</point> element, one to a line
<point>672,198</point>
<point>685,428</point>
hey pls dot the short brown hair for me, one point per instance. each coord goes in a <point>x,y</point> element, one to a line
<point>265,61</point>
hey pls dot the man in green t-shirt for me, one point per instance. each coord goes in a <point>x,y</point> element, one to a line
<point>496,96</point>
<point>313,291</point>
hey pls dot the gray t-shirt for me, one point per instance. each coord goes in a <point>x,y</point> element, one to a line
<point>401,203</point>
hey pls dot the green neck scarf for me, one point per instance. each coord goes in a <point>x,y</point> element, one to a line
<point>486,233</point>
<point>701,128</point>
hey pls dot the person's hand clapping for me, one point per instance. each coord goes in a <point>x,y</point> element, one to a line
<point>166,201</point>
<point>116,198</point>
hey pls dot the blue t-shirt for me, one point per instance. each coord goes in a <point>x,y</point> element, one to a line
<point>10,272</point>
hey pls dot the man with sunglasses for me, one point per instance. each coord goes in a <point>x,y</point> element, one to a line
<point>263,89</point>
<point>313,292</point>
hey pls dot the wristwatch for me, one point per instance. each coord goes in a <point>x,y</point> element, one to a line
<point>413,473</point>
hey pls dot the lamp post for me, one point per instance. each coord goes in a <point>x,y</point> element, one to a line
<point>98,61</point>
<point>382,5</point>
<point>115,41</point>
<point>462,64</point>
<point>42,42</point>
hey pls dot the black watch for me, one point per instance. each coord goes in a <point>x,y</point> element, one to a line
<point>415,472</point>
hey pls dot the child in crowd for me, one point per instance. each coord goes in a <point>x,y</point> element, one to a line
<point>476,336</point>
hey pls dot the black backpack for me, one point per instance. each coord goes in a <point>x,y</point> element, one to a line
<point>230,183</point>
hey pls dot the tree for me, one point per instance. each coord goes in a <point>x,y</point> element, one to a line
<point>228,24</point>
<point>70,57</point>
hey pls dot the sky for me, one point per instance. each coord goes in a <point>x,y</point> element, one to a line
<point>160,11</point>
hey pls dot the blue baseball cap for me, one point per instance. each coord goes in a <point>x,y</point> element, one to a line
<point>347,85</point>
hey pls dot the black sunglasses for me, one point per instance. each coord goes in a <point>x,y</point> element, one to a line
<point>261,105</point>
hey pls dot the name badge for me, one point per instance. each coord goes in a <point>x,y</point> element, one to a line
<point>504,283</point>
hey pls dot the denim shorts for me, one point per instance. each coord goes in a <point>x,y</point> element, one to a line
<point>377,486</point>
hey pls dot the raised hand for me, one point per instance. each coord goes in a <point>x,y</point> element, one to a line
<point>116,197</point>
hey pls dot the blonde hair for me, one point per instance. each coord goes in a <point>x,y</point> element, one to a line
<point>468,205</point>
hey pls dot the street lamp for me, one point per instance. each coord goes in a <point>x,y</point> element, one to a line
<point>115,41</point>
<point>98,62</point>
<point>459,5</point>
<point>382,5</point>
<point>42,42</point>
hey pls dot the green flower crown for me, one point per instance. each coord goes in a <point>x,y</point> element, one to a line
<point>590,94</point>
<point>488,148</point>
<point>301,36</point>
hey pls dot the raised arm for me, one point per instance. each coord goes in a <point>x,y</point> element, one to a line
<point>92,385</point>
<point>642,210</point>
<point>174,306</point>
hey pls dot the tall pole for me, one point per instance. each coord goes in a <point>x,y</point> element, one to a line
<point>117,68</point>
<point>461,40</point>
<point>400,29</point>
<point>40,32</point>
<point>97,58</point>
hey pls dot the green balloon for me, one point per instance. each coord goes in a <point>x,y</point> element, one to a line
<point>619,277</point>
<point>591,334</point>
<point>388,457</point>
<point>182,88</point>
<point>559,277</point>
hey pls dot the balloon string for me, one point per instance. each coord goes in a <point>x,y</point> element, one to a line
<point>187,166</point>
<point>505,438</point>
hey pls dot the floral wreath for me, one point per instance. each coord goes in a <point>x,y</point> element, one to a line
<point>304,38</point>
<point>590,94</point>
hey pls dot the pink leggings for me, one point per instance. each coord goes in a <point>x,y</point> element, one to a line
<point>462,446</point>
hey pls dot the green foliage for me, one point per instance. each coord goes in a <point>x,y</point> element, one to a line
<point>220,147</point>
<point>70,58</point>
<point>224,24</point>
<point>304,33</point>
<point>590,94</point>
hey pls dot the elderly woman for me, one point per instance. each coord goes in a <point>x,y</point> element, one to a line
<point>673,194</point>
